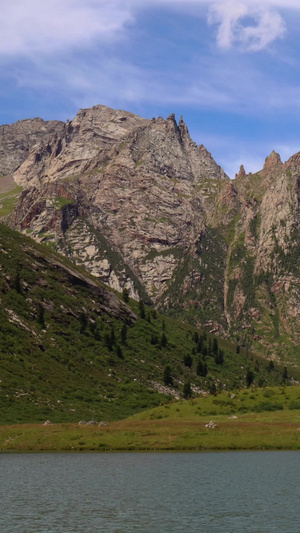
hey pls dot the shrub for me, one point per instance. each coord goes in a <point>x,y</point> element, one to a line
<point>294,405</point>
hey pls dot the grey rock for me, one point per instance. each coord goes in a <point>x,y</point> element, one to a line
<point>17,139</point>
<point>142,207</point>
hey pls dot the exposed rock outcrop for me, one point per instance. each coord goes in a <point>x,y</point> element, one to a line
<point>241,173</point>
<point>129,188</point>
<point>141,206</point>
<point>17,139</point>
<point>272,161</point>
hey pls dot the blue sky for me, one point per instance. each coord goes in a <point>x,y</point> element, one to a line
<point>230,67</point>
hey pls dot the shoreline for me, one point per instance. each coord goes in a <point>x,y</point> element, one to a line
<point>276,431</point>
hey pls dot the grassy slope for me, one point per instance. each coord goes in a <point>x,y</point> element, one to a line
<point>253,419</point>
<point>55,358</point>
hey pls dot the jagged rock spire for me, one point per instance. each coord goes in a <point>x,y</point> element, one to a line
<point>241,173</point>
<point>183,128</point>
<point>272,160</point>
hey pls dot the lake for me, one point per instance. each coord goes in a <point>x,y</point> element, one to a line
<point>153,492</point>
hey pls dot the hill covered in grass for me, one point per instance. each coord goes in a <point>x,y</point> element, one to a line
<point>72,349</point>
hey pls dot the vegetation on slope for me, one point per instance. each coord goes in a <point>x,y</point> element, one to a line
<point>70,350</point>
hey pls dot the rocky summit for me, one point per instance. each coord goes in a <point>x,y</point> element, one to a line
<point>142,207</point>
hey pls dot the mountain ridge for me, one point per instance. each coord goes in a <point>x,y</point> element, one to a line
<point>141,206</point>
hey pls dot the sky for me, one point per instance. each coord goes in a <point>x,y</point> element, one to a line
<point>231,68</point>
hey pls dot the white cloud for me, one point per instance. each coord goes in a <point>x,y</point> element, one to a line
<point>38,40</point>
<point>237,85</point>
<point>251,25</point>
<point>227,15</point>
<point>30,27</point>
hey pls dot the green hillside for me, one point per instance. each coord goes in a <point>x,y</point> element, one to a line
<point>70,349</point>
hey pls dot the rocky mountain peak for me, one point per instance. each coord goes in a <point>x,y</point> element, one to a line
<point>241,173</point>
<point>272,161</point>
<point>293,160</point>
<point>133,181</point>
<point>141,206</point>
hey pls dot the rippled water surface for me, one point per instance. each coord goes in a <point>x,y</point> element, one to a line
<point>162,492</point>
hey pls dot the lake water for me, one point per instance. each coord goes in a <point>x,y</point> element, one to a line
<point>161,492</point>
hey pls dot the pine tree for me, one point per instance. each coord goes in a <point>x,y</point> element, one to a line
<point>119,352</point>
<point>107,341</point>
<point>112,336</point>
<point>41,315</point>
<point>201,369</point>
<point>83,322</point>
<point>125,295</point>
<point>124,334</point>
<point>215,346</point>
<point>249,378</point>
<point>17,283</point>
<point>187,391</point>
<point>167,377</point>
<point>154,339</point>
<point>219,357</point>
<point>163,341</point>
<point>188,360</point>
<point>200,345</point>
<point>142,309</point>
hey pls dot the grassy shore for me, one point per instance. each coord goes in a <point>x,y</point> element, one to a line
<point>176,427</point>
<point>279,431</point>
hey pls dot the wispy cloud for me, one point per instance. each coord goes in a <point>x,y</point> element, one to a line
<point>32,27</point>
<point>237,85</point>
<point>84,52</point>
<point>250,25</point>
<point>70,47</point>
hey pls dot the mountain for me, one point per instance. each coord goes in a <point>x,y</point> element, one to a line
<point>142,207</point>
<point>71,349</point>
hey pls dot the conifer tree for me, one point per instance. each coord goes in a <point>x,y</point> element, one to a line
<point>188,360</point>
<point>41,315</point>
<point>125,295</point>
<point>187,391</point>
<point>142,309</point>
<point>163,341</point>
<point>124,334</point>
<point>119,352</point>
<point>167,377</point>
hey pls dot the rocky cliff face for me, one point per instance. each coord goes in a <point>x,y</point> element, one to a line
<point>262,284</point>
<point>120,194</point>
<point>141,206</point>
<point>17,139</point>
